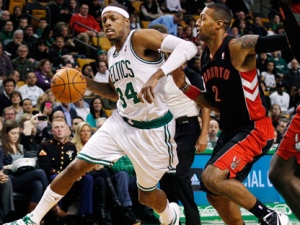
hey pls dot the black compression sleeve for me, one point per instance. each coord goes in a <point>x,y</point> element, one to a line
<point>271,43</point>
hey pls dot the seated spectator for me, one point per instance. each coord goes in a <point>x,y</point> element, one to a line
<point>16,99</point>
<point>5,97</point>
<point>7,32</point>
<point>33,182</point>
<point>44,74</point>
<point>281,128</point>
<point>6,193</point>
<point>42,24</point>
<point>134,22</point>
<point>23,23</point>
<point>280,97</point>
<point>257,28</point>
<point>294,98</point>
<point>47,35</point>
<point>87,71</point>
<point>46,133</point>
<point>46,110</point>
<point>68,111</point>
<point>261,62</point>
<point>150,10</point>
<point>42,98</point>
<point>275,114</point>
<point>188,34</point>
<point>26,105</point>
<point>54,156</point>
<point>59,12</point>
<point>63,31</point>
<point>170,21</point>
<point>52,98</point>
<point>95,9</point>
<point>16,15</point>
<point>5,65</point>
<point>269,76</point>
<point>29,37</point>
<point>30,89</point>
<point>102,73</point>
<point>266,99</point>
<point>84,18</point>
<point>292,76</point>
<point>276,22</point>
<point>16,76</point>
<point>5,15</point>
<point>213,130</point>
<point>241,16</point>
<point>75,122</point>
<point>279,62</point>
<point>8,114</point>
<point>21,63</point>
<point>174,6</point>
<point>58,53</point>
<point>73,7</point>
<point>12,47</point>
<point>242,27</point>
<point>81,109</point>
<point>96,111</point>
<point>180,30</point>
<point>40,51</point>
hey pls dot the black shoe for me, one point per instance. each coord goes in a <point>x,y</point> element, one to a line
<point>274,218</point>
<point>130,218</point>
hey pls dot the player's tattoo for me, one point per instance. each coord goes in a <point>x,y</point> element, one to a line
<point>247,42</point>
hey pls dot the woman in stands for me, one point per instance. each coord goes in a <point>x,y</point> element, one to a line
<point>44,74</point>
<point>96,111</point>
<point>32,182</point>
<point>16,99</point>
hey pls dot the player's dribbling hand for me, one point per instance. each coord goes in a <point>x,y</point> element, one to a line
<point>201,144</point>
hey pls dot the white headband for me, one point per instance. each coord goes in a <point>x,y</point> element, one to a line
<point>115,9</point>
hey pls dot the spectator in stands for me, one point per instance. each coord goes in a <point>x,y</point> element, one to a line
<point>12,47</point>
<point>29,136</point>
<point>16,99</point>
<point>42,24</point>
<point>42,98</point>
<point>294,98</point>
<point>44,74</point>
<point>75,122</point>
<point>241,16</point>
<point>102,74</point>
<point>266,100</point>
<point>280,128</point>
<point>29,38</point>
<point>180,30</point>
<point>58,53</point>
<point>52,97</point>
<point>188,34</point>
<point>64,32</point>
<point>5,15</point>
<point>8,114</point>
<point>134,22</point>
<point>68,111</point>
<point>46,133</point>
<point>40,51</point>
<point>6,191</point>
<point>5,64</point>
<point>30,89</point>
<point>275,114</point>
<point>234,31</point>
<point>47,35</point>
<point>5,97</point>
<point>242,27</point>
<point>81,109</point>
<point>102,55</point>
<point>213,130</point>
<point>292,76</point>
<point>26,105</point>
<point>276,22</point>
<point>84,18</point>
<point>59,12</point>
<point>87,71</point>
<point>16,15</point>
<point>174,6</point>
<point>55,155</point>
<point>170,21</point>
<point>257,28</point>
<point>23,23</point>
<point>150,10</point>
<point>73,7</point>
<point>95,9</point>
<point>261,62</point>
<point>269,76</point>
<point>96,111</point>
<point>280,63</point>
<point>33,182</point>
<point>16,76</point>
<point>46,109</point>
<point>21,63</point>
<point>280,97</point>
<point>7,32</point>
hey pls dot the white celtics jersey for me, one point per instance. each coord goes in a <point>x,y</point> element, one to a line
<point>129,73</point>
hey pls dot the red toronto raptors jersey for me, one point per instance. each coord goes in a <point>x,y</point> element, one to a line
<point>237,94</point>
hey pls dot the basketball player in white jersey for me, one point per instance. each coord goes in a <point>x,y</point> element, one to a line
<point>138,129</point>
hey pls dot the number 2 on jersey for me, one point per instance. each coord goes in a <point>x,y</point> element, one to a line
<point>216,91</point>
<point>130,93</point>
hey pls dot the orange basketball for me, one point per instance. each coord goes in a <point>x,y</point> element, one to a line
<point>68,85</point>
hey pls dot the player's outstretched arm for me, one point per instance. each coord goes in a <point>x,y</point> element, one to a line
<point>105,90</point>
<point>191,91</point>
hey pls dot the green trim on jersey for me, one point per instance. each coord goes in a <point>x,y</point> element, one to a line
<point>89,159</point>
<point>159,122</point>
<point>146,189</point>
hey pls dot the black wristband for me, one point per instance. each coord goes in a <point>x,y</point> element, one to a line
<point>184,87</point>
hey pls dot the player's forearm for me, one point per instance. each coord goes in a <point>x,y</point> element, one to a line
<point>205,117</point>
<point>102,89</point>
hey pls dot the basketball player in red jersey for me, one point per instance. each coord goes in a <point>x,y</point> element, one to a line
<point>229,72</point>
<point>285,164</point>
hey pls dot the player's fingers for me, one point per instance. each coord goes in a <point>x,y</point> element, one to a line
<point>140,95</point>
<point>149,95</point>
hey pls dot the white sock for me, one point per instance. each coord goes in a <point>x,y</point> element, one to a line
<point>48,200</point>
<point>167,215</point>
